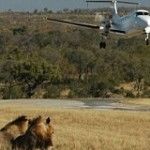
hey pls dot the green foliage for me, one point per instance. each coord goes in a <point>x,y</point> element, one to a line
<point>52,91</point>
<point>44,39</point>
<point>13,92</point>
<point>82,59</point>
<point>98,87</point>
<point>78,89</point>
<point>19,30</point>
<point>39,54</point>
<point>2,42</point>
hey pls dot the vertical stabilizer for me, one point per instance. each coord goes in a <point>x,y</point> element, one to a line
<point>115,6</point>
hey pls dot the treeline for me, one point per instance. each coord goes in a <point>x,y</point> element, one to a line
<point>82,11</point>
<point>67,62</point>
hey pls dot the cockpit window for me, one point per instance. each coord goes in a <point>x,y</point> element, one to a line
<point>146,13</point>
<point>142,13</point>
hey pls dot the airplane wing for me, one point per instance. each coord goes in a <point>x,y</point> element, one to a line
<point>127,34</point>
<point>93,26</point>
<point>121,32</point>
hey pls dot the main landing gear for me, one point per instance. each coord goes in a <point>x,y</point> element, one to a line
<point>103,44</point>
<point>147,39</point>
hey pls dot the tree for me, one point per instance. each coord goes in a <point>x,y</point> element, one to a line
<point>45,10</point>
<point>35,11</point>
<point>83,60</point>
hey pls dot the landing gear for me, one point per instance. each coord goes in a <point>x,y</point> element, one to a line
<point>102,44</point>
<point>147,42</point>
<point>147,39</point>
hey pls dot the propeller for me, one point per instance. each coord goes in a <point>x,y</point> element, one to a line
<point>100,18</point>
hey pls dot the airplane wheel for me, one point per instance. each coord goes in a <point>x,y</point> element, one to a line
<point>102,45</point>
<point>147,42</point>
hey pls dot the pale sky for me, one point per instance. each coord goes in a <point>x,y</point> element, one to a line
<point>30,5</point>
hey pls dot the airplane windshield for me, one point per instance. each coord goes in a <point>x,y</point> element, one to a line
<point>146,13</point>
<point>142,13</point>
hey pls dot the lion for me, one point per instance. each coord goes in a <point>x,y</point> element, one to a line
<point>12,130</point>
<point>38,135</point>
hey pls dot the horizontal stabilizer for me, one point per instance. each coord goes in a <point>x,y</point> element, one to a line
<point>112,1</point>
<point>93,26</point>
<point>125,2</point>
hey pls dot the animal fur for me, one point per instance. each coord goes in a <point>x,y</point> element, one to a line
<point>38,135</point>
<point>12,130</point>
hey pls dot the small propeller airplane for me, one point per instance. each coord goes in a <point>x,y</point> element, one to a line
<point>137,22</point>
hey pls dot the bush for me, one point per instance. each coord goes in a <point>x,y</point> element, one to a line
<point>117,91</point>
<point>52,91</point>
<point>13,92</point>
<point>146,93</point>
<point>130,94</point>
<point>78,89</point>
<point>99,89</point>
<point>19,30</point>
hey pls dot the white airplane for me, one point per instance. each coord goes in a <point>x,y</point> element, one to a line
<point>134,23</point>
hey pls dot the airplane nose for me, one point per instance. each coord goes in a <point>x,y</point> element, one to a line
<point>146,20</point>
<point>148,23</point>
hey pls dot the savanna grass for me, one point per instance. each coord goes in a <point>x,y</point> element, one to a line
<point>91,129</point>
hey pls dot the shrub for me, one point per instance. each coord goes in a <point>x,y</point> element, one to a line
<point>52,91</point>
<point>146,93</point>
<point>13,92</point>
<point>130,94</point>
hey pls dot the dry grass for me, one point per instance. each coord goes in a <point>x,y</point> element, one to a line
<point>137,101</point>
<point>91,129</point>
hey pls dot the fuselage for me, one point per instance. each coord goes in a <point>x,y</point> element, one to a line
<point>138,20</point>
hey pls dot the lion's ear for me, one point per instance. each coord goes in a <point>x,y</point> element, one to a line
<point>48,120</point>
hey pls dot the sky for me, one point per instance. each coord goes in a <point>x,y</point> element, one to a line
<point>30,5</point>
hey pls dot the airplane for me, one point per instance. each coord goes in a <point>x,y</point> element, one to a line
<point>137,22</point>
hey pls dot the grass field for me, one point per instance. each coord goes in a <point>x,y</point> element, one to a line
<point>90,129</point>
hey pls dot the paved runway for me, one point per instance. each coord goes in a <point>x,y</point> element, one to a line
<point>74,104</point>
